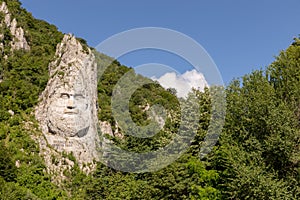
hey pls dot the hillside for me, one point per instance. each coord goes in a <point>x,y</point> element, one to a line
<point>257,156</point>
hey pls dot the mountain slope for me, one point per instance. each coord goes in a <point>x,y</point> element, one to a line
<point>257,156</point>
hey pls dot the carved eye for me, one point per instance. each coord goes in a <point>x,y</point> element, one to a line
<point>79,96</point>
<point>64,95</point>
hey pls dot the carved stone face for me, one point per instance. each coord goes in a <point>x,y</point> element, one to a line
<point>69,111</point>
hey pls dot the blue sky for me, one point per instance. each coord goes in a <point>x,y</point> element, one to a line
<point>239,35</point>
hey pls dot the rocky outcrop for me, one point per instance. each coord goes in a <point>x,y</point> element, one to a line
<point>18,37</point>
<point>106,128</point>
<point>67,110</point>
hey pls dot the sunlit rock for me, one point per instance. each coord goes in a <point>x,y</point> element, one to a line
<point>18,36</point>
<point>67,110</point>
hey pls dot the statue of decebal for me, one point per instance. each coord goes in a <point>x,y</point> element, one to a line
<point>67,110</point>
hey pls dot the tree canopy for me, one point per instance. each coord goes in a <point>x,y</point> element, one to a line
<point>256,157</point>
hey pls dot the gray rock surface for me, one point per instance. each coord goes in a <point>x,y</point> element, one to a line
<point>67,110</point>
<point>18,41</point>
<point>106,128</point>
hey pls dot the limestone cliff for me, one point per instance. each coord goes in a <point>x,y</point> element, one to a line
<point>67,110</point>
<point>18,38</point>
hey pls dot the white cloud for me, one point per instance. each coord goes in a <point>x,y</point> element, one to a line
<point>183,83</point>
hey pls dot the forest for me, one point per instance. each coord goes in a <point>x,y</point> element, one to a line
<point>256,157</point>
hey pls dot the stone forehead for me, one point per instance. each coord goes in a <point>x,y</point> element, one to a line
<point>70,84</point>
<point>74,76</point>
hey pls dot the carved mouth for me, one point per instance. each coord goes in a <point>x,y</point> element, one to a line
<point>71,112</point>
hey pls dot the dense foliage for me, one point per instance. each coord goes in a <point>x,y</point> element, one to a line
<point>257,156</point>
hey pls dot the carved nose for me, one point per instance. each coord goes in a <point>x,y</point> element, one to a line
<point>71,103</point>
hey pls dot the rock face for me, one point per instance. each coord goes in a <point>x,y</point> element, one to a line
<point>67,110</point>
<point>18,38</point>
<point>106,128</point>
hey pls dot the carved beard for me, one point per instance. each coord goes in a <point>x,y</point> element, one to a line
<point>54,129</point>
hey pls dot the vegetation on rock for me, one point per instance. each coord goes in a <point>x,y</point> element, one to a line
<point>257,156</point>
